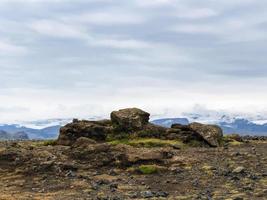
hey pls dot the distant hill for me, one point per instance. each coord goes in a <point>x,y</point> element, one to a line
<point>244,127</point>
<point>45,133</point>
<point>167,122</point>
<point>13,136</point>
<point>49,129</point>
<point>240,126</point>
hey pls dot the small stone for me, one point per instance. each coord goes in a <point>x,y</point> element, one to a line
<point>70,174</point>
<point>239,170</point>
<point>147,194</point>
<point>162,194</point>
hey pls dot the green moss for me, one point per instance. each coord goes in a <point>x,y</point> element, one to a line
<point>148,169</point>
<point>228,139</point>
<point>49,143</point>
<point>117,136</point>
<point>235,143</point>
<point>148,142</point>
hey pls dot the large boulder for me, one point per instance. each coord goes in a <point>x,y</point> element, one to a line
<point>186,135</point>
<point>212,134</point>
<point>130,119</point>
<point>96,130</point>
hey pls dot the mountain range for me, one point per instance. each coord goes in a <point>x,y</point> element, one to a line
<point>50,132</point>
<point>240,126</point>
<point>49,129</point>
<point>13,136</point>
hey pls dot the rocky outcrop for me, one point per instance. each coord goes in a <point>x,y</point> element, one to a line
<point>185,134</point>
<point>152,131</point>
<point>134,123</point>
<point>212,134</point>
<point>130,119</point>
<point>96,130</point>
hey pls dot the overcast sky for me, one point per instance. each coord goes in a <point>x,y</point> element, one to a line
<point>78,58</point>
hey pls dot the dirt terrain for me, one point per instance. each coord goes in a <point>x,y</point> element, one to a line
<point>37,170</point>
<point>127,157</point>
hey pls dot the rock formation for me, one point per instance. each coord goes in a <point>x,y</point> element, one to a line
<point>212,134</point>
<point>130,119</point>
<point>134,123</point>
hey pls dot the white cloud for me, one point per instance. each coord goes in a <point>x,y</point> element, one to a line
<point>9,49</point>
<point>149,3</point>
<point>109,17</point>
<point>69,31</point>
<point>154,54</point>
<point>49,1</point>
<point>121,43</point>
<point>196,13</point>
<point>58,29</point>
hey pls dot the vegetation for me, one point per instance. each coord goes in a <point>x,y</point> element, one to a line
<point>229,139</point>
<point>148,142</point>
<point>148,169</point>
<point>49,143</point>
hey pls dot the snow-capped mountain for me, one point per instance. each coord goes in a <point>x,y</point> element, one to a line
<point>244,124</point>
<point>39,129</point>
<point>167,122</point>
<point>241,123</point>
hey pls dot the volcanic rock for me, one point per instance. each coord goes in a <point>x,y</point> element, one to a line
<point>212,134</point>
<point>130,119</point>
<point>96,130</point>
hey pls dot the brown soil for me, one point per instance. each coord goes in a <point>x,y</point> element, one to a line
<point>31,170</point>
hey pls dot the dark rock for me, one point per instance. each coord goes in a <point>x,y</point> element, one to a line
<point>162,194</point>
<point>212,134</point>
<point>83,142</point>
<point>130,119</point>
<point>96,130</point>
<point>152,131</point>
<point>147,194</point>
<point>70,173</point>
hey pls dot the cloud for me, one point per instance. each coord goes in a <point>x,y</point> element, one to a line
<point>70,31</point>
<point>155,54</point>
<point>9,49</point>
<point>107,18</point>
<point>196,13</point>
<point>149,3</point>
<point>58,29</point>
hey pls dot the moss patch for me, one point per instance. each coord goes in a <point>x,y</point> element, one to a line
<point>49,143</point>
<point>148,169</point>
<point>148,142</point>
<point>235,143</point>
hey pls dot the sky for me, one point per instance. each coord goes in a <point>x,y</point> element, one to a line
<point>63,58</point>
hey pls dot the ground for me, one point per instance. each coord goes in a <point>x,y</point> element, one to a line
<point>38,170</point>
